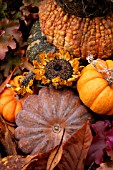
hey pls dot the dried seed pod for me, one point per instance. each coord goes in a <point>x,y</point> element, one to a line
<point>46,116</point>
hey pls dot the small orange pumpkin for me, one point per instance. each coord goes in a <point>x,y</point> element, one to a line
<point>95,86</point>
<point>10,102</point>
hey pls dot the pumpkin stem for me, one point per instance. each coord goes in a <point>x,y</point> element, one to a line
<point>101,67</point>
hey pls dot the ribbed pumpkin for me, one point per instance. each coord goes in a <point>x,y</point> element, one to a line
<point>10,104</point>
<point>48,117</point>
<point>78,35</point>
<point>95,86</point>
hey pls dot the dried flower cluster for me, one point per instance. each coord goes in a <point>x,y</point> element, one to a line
<point>59,68</point>
<point>22,84</point>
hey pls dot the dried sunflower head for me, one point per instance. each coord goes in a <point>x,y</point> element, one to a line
<point>22,84</point>
<point>59,68</point>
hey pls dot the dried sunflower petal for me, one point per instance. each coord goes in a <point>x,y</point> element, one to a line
<point>59,69</point>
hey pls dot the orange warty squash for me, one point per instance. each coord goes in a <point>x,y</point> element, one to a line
<point>95,86</point>
<point>77,35</point>
<point>10,100</point>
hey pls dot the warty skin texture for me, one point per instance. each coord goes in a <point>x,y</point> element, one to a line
<point>79,36</point>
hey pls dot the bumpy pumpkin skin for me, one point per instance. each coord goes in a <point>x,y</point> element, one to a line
<point>87,8</point>
<point>10,105</point>
<point>94,91</point>
<point>80,36</point>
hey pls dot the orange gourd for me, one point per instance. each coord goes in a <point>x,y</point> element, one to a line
<point>10,104</point>
<point>10,100</point>
<point>95,86</point>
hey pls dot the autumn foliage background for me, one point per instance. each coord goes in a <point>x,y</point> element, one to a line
<point>96,135</point>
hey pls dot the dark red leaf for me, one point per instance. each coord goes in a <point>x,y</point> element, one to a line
<point>2,32</point>
<point>9,33</point>
<point>109,138</point>
<point>99,144</point>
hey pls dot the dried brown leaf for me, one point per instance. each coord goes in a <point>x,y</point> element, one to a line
<point>9,36</point>
<point>4,43</point>
<point>7,139</point>
<point>13,29</point>
<point>33,2</point>
<point>75,150</point>
<point>54,157</point>
<point>74,153</point>
<point>110,154</point>
<point>25,64</point>
<point>105,166</point>
<point>16,162</point>
<point>3,85</point>
<point>39,162</point>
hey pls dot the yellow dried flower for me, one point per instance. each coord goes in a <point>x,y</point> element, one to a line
<point>21,85</point>
<point>60,68</point>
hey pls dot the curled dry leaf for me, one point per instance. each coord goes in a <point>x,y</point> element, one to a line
<point>54,157</point>
<point>73,156</point>
<point>7,138</point>
<point>9,34</point>
<point>75,149</point>
<point>15,162</point>
<point>3,85</point>
<point>45,116</point>
<point>39,162</point>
